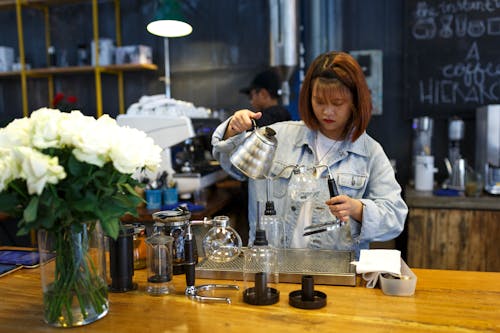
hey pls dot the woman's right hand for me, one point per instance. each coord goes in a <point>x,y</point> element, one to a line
<point>241,121</point>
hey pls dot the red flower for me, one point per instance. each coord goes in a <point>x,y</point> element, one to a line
<point>65,105</point>
<point>58,98</point>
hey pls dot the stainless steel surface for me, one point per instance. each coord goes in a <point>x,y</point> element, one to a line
<point>488,146</point>
<point>457,180</point>
<point>328,267</point>
<point>284,37</point>
<point>196,292</point>
<point>255,155</point>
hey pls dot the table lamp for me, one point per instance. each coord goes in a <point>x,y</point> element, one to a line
<point>168,22</point>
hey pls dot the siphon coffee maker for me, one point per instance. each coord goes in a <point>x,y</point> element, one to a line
<point>196,292</point>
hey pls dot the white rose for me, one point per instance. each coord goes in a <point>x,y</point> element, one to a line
<point>45,130</point>
<point>153,154</point>
<point>132,149</point>
<point>94,142</point>
<point>70,127</point>
<point>16,133</point>
<point>38,169</point>
<point>8,168</point>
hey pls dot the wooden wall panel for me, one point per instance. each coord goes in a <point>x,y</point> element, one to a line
<point>454,239</point>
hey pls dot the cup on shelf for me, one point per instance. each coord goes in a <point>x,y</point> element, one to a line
<point>170,196</point>
<point>153,199</point>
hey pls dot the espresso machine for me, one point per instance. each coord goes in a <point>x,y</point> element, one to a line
<point>488,146</point>
<point>192,160</point>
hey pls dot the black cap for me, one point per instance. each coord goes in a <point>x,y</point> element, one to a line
<point>269,80</point>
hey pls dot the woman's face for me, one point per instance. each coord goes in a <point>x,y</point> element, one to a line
<point>332,106</point>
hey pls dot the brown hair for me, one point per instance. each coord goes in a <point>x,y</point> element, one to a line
<point>330,69</point>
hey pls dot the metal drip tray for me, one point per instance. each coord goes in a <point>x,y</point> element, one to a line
<point>328,267</point>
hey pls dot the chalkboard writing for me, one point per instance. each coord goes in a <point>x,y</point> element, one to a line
<point>452,56</point>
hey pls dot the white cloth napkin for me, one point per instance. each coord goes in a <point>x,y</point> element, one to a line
<point>372,263</point>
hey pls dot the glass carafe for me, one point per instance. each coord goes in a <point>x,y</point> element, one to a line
<point>221,243</point>
<point>303,185</point>
<point>260,272</point>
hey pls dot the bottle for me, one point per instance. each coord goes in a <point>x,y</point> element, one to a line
<point>51,51</point>
<point>273,226</point>
<point>260,272</point>
<point>82,55</point>
<point>222,243</point>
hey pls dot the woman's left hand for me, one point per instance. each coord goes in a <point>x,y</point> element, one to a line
<point>343,207</point>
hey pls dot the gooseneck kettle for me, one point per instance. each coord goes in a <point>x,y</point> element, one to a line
<point>254,157</point>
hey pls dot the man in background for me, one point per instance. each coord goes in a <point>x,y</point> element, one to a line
<point>264,93</point>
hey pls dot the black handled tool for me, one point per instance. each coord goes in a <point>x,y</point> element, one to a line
<point>189,264</point>
<point>332,186</point>
<point>319,228</point>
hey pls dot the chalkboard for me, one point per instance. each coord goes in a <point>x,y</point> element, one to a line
<point>452,56</point>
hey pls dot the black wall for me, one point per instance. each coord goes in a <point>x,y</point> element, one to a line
<point>229,44</point>
<point>379,25</point>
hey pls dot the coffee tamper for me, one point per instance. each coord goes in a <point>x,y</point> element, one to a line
<point>193,291</point>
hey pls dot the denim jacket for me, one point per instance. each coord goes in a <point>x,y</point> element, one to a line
<point>361,170</point>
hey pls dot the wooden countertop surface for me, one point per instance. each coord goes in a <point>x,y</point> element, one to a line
<point>444,301</point>
<point>418,199</point>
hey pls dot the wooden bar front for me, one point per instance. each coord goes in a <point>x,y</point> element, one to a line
<point>444,301</point>
<point>461,233</point>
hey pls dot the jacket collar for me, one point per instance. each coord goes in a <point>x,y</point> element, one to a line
<point>308,138</point>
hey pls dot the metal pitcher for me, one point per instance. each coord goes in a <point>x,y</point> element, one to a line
<point>255,155</point>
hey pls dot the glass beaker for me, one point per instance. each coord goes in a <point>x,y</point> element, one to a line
<point>221,243</point>
<point>159,263</point>
<point>474,183</point>
<point>260,272</point>
<point>139,246</point>
<point>303,185</point>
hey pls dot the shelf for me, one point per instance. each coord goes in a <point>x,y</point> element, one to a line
<point>6,4</point>
<point>81,69</point>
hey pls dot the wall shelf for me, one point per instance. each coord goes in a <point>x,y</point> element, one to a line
<point>51,72</point>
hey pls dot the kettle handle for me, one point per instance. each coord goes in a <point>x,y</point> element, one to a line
<point>254,125</point>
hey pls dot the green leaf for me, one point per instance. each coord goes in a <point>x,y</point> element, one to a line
<point>87,203</point>
<point>8,202</point>
<point>31,211</point>
<point>111,227</point>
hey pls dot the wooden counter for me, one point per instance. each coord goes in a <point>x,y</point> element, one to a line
<point>453,232</point>
<point>445,301</point>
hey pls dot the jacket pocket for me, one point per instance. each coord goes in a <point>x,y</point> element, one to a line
<point>351,184</point>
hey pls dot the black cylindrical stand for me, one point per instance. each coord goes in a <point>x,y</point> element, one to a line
<point>121,260</point>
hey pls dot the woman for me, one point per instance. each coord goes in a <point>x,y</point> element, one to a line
<point>335,108</point>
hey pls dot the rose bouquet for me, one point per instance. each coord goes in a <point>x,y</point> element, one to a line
<point>68,174</point>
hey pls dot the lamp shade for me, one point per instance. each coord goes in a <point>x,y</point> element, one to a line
<point>169,21</point>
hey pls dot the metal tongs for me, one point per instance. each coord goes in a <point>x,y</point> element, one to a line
<point>327,226</point>
<point>193,291</point>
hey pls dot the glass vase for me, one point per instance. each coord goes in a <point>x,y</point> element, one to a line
<point>73,275</point>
